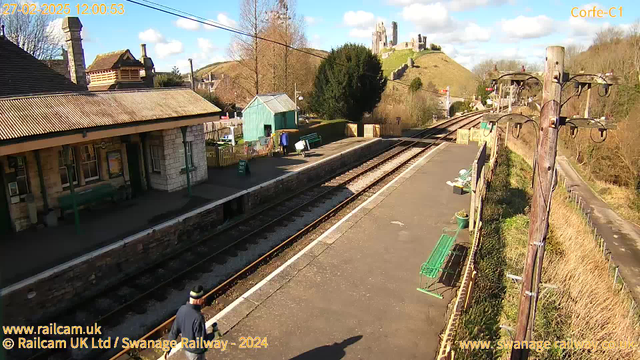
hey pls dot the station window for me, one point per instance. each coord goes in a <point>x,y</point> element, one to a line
<point>89,164</point>
<point>19,185</point>
<point>64,178</point>
<point>156,157</point>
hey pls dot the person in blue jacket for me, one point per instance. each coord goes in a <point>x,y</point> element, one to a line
<point>284,142</point>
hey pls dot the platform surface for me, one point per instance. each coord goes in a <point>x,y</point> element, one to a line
<point>32,251</point>
<point>353,295</point>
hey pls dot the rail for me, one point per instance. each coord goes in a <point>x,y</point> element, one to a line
<point>155,333</point>
<point>122,309</point>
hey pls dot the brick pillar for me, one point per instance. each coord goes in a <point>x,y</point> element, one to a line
<point>71,26</point>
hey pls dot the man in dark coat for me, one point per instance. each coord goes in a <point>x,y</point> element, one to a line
<point>190,323</point>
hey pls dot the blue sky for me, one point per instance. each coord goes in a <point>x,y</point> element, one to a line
<point>468,30</point>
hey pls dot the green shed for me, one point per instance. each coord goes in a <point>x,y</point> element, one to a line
<point>267,113</point>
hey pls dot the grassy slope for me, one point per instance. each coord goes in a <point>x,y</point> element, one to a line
<point>435,67</point>
<point>584,307</point>
<point>233,68</point>
<point>397,58</point>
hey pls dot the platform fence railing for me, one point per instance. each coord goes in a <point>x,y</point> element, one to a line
<point>483,172</point>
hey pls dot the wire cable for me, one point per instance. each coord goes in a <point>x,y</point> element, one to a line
<point>185,15</point>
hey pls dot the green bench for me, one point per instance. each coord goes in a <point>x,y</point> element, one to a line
<point>311,138</point>
<point>89,196</point>
<point>434,265</point>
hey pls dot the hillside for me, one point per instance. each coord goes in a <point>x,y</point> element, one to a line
<point>232,68</point>
<point>434,67</point>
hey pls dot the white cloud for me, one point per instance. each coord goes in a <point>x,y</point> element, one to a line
<point>151,36</point>
<point>169,48</point>
<point>226,21</point>
<point>474,32</point>
<point>187,24</point>
<point>205,45</point>
<point>316,41</point>
<point>310,20</point>
<point>54,32</point>
<point>524,27</point>
<point>582,27</point>
<point>361,33</point>
<point>359,19</point>
<point>427,17</point>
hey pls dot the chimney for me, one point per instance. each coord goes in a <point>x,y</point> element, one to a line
<point>148,74</point>
<point>71,26</point>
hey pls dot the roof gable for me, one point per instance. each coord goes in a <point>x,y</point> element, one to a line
<point>276,103</point>
<point>114,60</point>
<point>21,73</point>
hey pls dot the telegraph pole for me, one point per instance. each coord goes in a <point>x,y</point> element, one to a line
<point>543,173</point>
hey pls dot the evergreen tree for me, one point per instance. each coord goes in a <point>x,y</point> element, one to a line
<point>349,82</point>
<point>416,84</point>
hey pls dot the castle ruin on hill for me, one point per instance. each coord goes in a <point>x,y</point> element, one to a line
<point>379,40</point>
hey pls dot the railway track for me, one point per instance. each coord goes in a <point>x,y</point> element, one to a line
<point>142,295</point>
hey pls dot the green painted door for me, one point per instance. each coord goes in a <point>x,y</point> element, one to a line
<point>5,217</point>
<point>133,159</point>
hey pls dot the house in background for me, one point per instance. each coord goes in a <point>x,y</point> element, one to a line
<point>121,70</point>
<point>266,114</point>
<point>60,142</point>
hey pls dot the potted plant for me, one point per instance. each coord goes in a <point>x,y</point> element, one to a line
<point>463,219</point>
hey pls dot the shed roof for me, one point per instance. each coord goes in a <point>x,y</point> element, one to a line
<point>25,116</point>
<point>114,60</point>
<point>21,73</point>
<point>276,103</point>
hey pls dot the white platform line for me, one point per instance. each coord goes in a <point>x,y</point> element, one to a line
<point>282,267</point>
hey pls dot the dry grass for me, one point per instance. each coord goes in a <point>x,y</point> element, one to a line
<point>623,200</point>
<point>593,310</point>
<point>443,71</point>
<point>585,306</point>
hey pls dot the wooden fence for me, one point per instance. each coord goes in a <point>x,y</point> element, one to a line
<point>219,156</point>
<point>481,176</point>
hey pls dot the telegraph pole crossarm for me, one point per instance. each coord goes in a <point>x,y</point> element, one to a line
<point>544,179</point>
<point>544,170</point>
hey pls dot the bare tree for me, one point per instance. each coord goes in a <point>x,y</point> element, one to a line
<point>570,57</point>
<point>246,49</point>
<point>483,68</point>
<point>608,35</point>
<point>287,66</point>
<point>33,33</point>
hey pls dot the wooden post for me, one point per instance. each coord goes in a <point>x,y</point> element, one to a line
<point>506,137</point>
<point>474,184</point>
<point>541,202</point>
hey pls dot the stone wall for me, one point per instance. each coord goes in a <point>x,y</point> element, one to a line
<point>171,176</point>
<point>59,288</point>
<point>397,73</point>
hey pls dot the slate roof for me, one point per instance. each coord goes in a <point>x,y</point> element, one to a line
<point>21,73</point>
<point>276,103</point>
<point>114,60</point>
<point>25,116</point>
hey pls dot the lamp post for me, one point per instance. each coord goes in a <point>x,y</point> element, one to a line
<point>297,97</point>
